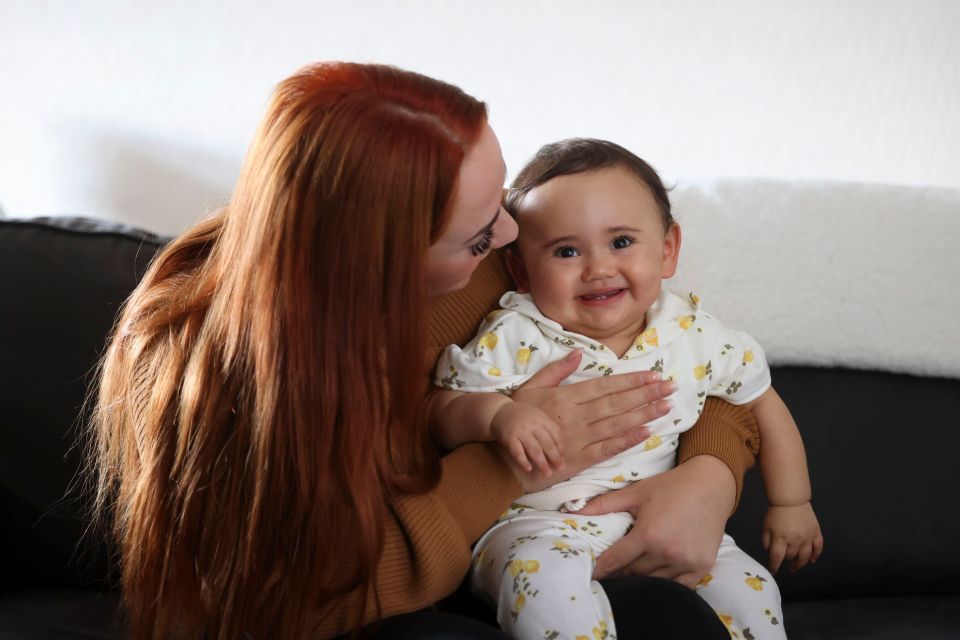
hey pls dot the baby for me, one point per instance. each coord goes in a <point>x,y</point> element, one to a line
<point>596,240</point>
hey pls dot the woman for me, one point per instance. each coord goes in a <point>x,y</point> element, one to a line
<point>260,437</point>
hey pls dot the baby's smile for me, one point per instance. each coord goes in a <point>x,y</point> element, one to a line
<point>601,297</point>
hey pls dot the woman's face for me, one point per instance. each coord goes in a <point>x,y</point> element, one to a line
<point>478,224</point>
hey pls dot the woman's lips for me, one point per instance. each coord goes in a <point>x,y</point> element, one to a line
<point>601,298</point>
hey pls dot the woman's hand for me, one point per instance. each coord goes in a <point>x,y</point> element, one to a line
<point>597,418</point>
<point>679,520</point>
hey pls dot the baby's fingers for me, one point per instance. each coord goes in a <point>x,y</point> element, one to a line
<point>803,556</point>
<point>817,547</point>
<point>515,447</point>
<point>551,448</point>
<point>535,453</point>
<point>778,548</point>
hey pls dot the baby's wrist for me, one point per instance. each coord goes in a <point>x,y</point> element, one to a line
<point>798,503</point>
<point>503,402</point>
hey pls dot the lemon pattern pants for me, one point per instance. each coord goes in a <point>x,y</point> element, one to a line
<point>535,567</point>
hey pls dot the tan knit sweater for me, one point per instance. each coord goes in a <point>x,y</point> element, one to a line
<point>426,550</point>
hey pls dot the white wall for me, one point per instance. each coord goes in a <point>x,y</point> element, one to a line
<point>141,110</point>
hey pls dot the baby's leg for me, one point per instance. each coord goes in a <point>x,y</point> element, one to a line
<point>744,595</point>
<point>536,568</point>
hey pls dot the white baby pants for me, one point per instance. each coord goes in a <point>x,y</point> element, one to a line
<point>535,567</point>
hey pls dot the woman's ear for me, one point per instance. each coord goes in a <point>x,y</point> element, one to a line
<point>671,250</point>
<point>517,271</point>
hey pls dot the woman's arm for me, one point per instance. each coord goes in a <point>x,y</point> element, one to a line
<point>427,539</point>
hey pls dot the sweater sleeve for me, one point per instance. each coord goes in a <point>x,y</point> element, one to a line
<point>426,547</point>
<point>724,431</point>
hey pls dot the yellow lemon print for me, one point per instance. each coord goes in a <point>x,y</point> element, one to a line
<point>515,568</point>
<point>700,371</point>
<point>531,566</point>
<point>489,340</point>
<point>652,443</point>
<point>747,356</point>
<point>581,638</point>
<point>725,619</point>
<point>600,631</point>
<point>695,299</point>
<point>570,522</point>
<point>685,321</point>
<point>704,581</point>
<point>650,337</point>
<point>493,371</point>
<point>492,315</point>
<point>618,478</point>
<point>519,602</point>
<point>561,545</point>
<point>524,353</point>
<point>755,582</point>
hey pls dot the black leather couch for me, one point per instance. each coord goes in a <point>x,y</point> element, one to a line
<point>883,452</point>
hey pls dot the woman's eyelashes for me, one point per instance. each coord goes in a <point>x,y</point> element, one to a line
<point>483,243</point>
<point>567,251</point>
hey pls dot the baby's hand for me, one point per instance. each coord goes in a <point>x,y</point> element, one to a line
<point>529,435</point>
<point>792,533</point>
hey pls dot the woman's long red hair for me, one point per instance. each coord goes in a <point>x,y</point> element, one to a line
<point>261,398</point>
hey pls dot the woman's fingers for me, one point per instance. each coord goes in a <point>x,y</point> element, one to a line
<point>615,560</point>
<point>555,372</point>
<point>629,400</point>
<point>618,423</point>
<point>589,390</point>
<point>603,449</point>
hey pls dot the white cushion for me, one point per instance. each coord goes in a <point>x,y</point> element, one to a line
<point>828,273</point>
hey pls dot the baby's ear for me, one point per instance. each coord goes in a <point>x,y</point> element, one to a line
<point>517,271</point>
<point>671,250</point>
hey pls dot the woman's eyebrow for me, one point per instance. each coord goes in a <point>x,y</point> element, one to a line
<point>486,229</point>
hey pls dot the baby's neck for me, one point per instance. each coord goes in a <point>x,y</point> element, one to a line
<point>621,342</point>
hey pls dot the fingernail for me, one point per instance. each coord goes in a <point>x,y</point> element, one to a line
<point>668,387</point>
<point>664,406</point>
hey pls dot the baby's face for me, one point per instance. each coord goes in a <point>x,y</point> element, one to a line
<point>594,252</point>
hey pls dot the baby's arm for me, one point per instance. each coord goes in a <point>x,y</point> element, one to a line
<point>790,528</point>
<point>456,418</point>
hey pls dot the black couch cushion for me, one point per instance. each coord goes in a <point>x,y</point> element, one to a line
<point>883,451</point>
<point>63,281</point>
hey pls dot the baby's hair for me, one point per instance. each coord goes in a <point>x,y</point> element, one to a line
<point>577,155</point>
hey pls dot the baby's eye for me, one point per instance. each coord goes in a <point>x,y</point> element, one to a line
<point>622,242</point>
<point>566,252</point>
